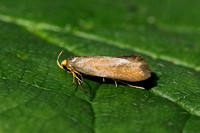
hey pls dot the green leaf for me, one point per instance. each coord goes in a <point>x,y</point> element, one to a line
<point>37,96</point>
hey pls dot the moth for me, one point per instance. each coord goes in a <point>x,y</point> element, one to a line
<point>129,68</point>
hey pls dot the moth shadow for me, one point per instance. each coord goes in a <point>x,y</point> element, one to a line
<point>147,84</point>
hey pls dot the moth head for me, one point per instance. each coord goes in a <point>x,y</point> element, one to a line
<point>64,64</point>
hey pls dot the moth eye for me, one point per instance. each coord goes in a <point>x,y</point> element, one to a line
<point>73,58</point>
<point>64,67</point>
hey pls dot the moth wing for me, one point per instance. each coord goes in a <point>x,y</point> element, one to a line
<point>132,57</point>
<point>136,58</point>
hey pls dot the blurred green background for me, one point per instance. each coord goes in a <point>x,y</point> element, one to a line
<point>36,96</point>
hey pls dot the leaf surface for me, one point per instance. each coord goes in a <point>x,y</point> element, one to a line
<point>37,96</point>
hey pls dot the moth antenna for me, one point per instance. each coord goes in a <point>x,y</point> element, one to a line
<point>58,59</point>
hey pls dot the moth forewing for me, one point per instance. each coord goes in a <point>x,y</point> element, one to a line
<point>127,68</point>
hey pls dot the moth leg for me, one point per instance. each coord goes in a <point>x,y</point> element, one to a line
<point>115,82</point>
<point>81,85</point>
<point>74,76</point>
<point>103,79</point>
<point>78,79</point>
<point>79,75</point>
<point>139,87</point>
